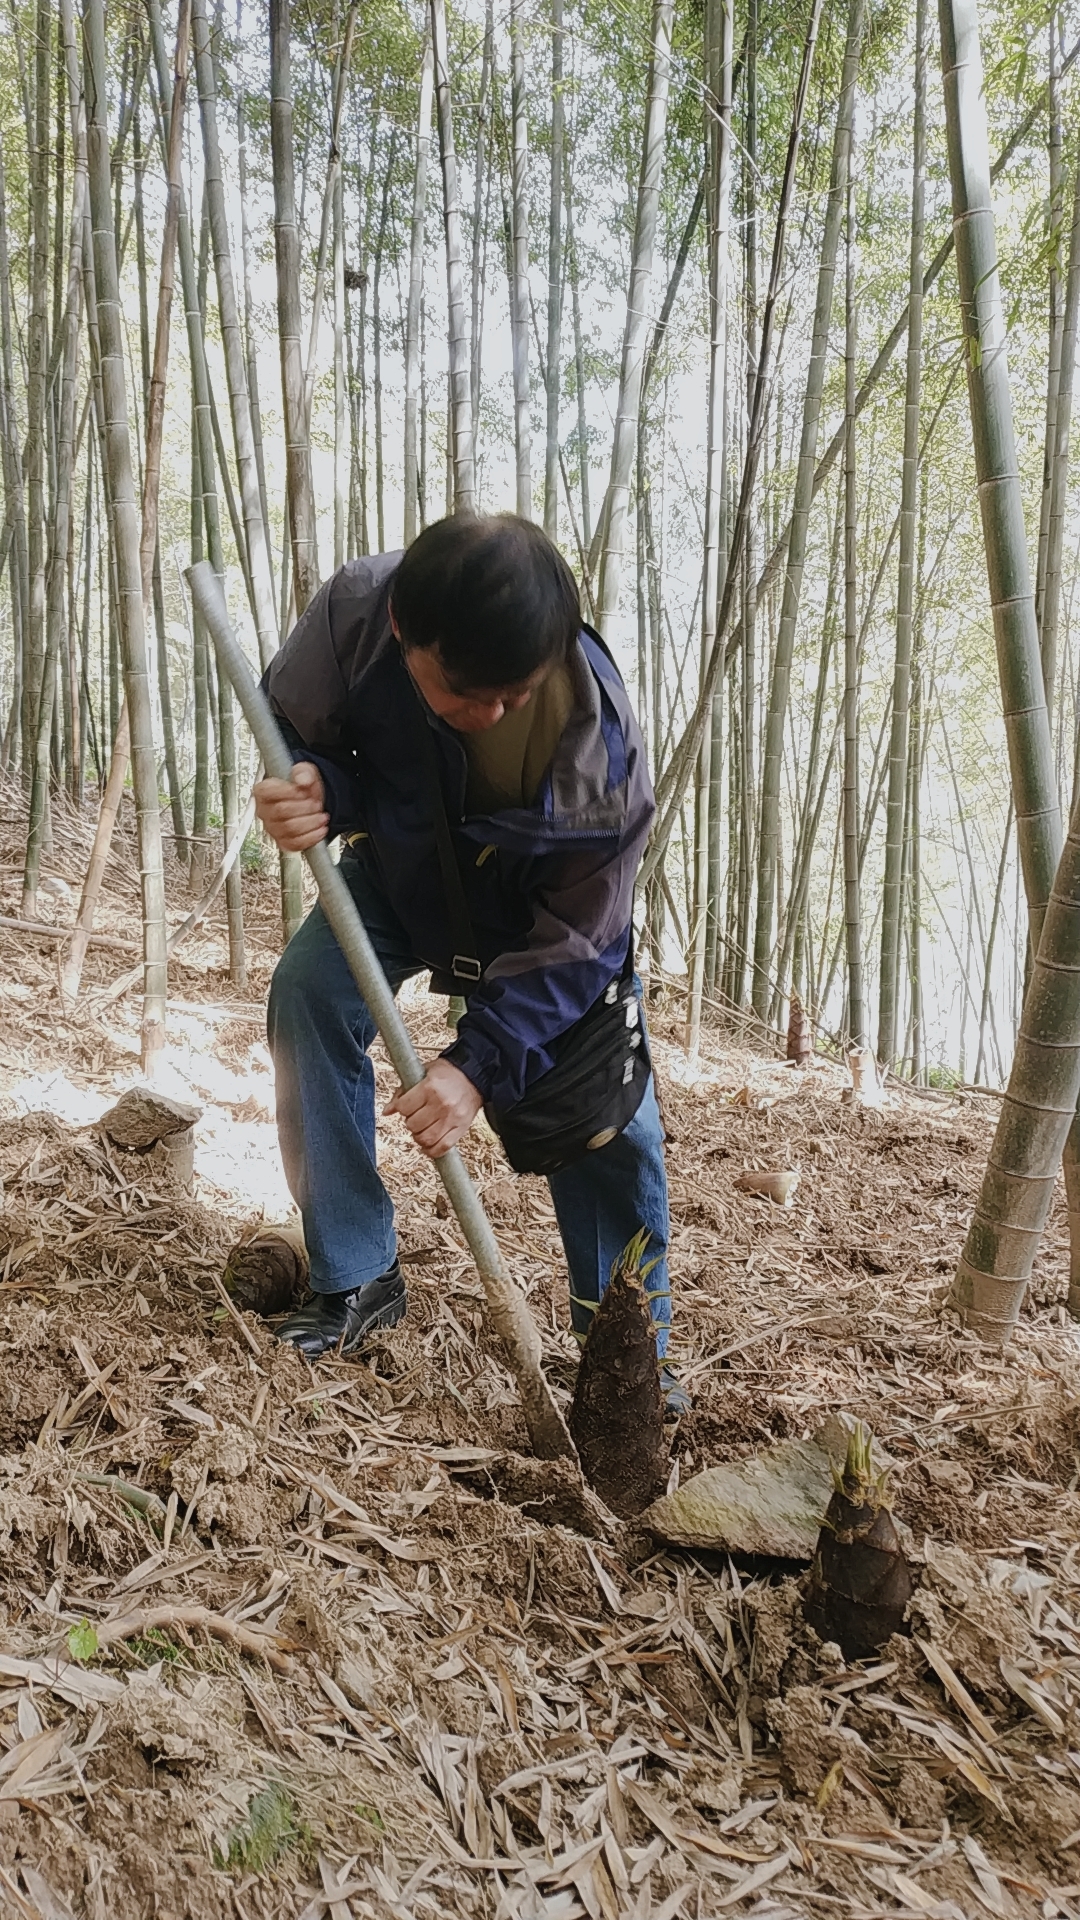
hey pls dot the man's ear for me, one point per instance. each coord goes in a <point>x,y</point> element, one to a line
<point>394,628</point>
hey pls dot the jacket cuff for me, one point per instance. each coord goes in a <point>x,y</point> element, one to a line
<point>339,791</point>
<point>475,1056</point>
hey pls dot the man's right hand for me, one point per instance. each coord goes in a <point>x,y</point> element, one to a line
<point>293,811</point>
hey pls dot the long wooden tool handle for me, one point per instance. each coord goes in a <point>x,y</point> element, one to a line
<point>509,1310</point>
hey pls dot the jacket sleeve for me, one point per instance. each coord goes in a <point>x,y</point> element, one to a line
<point>307,692</point>
<point>341,790</point>
<point>527,999</point>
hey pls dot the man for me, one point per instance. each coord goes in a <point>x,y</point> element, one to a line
<point>476,634</point>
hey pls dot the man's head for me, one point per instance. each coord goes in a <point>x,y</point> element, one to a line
<point>484,607</point>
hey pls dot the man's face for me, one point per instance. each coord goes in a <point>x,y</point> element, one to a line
<point>466,709</point>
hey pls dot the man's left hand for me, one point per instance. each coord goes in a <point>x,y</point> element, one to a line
<point>440,1109</point>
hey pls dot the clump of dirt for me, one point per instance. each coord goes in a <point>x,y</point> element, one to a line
<point>267,1272</point>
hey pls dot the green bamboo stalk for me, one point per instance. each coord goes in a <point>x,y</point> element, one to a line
<point>37,352</point>
<point>1036,1116</point>
<point>718,37</point>
<point>519,282</point>
<point>463,454</point>
<point>1027,725</point>
<point>780,685</point>
<point>889,980</point>
<point>856,1020</point>
<point>1040,1104</point>
<point>124,528</point>
<point>300,487</point>
<point>628,406</point>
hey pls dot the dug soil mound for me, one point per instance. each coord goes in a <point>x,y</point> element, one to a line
<point>276,1641</point>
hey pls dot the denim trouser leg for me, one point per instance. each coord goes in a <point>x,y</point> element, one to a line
<point>601,1201</point>
<point>319,1030</point>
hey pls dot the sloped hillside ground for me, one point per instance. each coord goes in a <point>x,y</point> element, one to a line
<point>279,1642</point>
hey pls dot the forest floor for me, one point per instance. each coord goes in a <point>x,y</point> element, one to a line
<point>378,1669</point>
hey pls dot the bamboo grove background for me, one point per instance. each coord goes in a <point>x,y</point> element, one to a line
<point>278,287</point>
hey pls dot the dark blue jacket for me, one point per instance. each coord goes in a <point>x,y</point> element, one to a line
<point>550,887</point>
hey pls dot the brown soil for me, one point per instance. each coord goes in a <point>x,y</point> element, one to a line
<point>493,1705</point>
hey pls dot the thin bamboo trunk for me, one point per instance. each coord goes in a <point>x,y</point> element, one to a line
<point>376,344</point>
<point>330,191</point>
<point>258,556</point>
<point>300,487</point>
<point>672,783</point>
<point>149,546</point>
<point>37,356</point>
<point>628,406</point>
<point>124,527</point>
<point>341,413</point>
<point>553,357</point>
<point>1059,472</point>
<point>986,1008</point>
<point>416,289</point>
<point>1054,330</point>
<point>251,355</point>
<point>485,120</point>
<point>14,496</point>
<point>56,638</point>
<point>205,526</point>
<point>889,982</point>
<point>519,290</point>
<point>856,1021</point>
<point>255,540</point>
<point>579,374</point>
<point>780,684</point>
<point>717,91</point>
<point>462,448</point>
<point>882,360</point>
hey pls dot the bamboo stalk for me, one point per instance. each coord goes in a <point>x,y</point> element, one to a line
<point>889,981</point>
<point>124,528</point>
<point>463,455</point>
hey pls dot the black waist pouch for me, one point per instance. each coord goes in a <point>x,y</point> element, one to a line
<point>589,1095</point>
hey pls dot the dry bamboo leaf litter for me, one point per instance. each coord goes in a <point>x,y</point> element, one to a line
<point>479,1694</point>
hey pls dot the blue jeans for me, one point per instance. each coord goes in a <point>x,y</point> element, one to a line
<point>320,1030</point>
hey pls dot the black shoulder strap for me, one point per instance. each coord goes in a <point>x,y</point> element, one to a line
<point>465,966</point>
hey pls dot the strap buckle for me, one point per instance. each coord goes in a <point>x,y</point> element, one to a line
<point>466,967</point>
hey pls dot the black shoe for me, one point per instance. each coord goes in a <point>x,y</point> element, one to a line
<point>677,1398</point>
<point>340,1321</point>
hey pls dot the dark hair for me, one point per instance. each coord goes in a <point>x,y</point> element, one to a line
<point>492,593</point>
